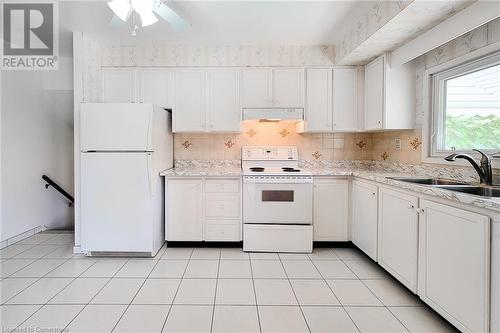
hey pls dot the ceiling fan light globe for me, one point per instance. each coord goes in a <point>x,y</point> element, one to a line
<point>142,6</point>
<point>121,8</point>
<point>148,18</point>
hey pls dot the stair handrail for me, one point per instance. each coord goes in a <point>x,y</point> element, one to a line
<point>59,189</point>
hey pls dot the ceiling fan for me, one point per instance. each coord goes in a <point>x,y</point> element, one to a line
<point>146,12</point>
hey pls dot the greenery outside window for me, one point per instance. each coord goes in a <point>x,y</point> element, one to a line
<point>466,107</point>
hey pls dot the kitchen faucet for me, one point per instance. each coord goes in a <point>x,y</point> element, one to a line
<point>483,170</point>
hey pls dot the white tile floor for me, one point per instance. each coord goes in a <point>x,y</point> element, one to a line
<point>45,287</point>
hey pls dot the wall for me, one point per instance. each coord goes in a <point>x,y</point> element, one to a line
<point>36,139</point>
<point>217,146</point>
<point>411,140</point>
<point>380,26</point>
<point>337,146</point>
<point>97,55</point>
<point>361,25</point>
<point>376,146</point>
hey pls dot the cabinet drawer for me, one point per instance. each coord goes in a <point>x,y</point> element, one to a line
<point>222,205</point>
<point>281,238</point>
<point>222,186</point>
<point>222,230</point>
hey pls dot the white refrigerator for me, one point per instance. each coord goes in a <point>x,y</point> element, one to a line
<point>123,149</point>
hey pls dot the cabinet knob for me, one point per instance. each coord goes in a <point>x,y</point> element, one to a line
<point>411,207</point>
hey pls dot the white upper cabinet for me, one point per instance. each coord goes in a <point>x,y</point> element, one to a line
<point>345,99</point>
<point>331,101</point>
<point>189,101</point>
<point>264,88</point>
<point>288,87</point>
<point>206,101</point>
<point>155,86</point>
<point>374,94</point>
<point>256,88</point>
<point>224,112</point>
<point>119,86</point>
<point>398,236</point>
<point>318,110</point>
<point>389,95</point>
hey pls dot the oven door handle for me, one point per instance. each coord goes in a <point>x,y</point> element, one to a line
<point>278,180</point>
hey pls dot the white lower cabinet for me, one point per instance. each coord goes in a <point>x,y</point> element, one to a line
<point>203,209</point>
<point>454,265</point>
<point>184,209</point>
<point>398,236</point>
<point>364,217</point>
<point>331,209</point>
<point>495,276</point>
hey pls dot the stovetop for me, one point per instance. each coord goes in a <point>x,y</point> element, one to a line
<point>274,170</point>
<point>271,161</point>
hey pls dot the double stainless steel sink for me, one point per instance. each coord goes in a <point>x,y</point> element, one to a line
<point>485,191</point>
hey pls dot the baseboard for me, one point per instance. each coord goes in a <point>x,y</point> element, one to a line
<point>346,244</point>
<point>204,244</point>
<point>317,244</point>
<point>21,236</point>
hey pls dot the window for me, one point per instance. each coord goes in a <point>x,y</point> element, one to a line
<point>466,107</point>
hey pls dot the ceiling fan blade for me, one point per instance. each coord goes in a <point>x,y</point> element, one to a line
<point>117,22</point>
<point>177,22</point>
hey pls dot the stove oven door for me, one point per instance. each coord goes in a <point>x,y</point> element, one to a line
<point>277,203</point>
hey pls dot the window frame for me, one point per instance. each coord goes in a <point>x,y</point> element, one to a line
<point>433,99</point>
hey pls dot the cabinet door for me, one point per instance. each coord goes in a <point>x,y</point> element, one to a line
<point>224,111</point>
<point>454,262</point>
<point>345,99</point>
<point>288,87</point>
<point>118,86</point>
<point>364,217</point>
<point>189,101</point>
<point>398,236</point>
<point>331,209</point>
<point>374,94</point>
<point>156,87</point>
<point>256,88</point>
<point>495,275</point>
<point>184,210</point>
<point>318,111</point>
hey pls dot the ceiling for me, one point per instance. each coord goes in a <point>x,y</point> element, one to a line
<point>221,22</point>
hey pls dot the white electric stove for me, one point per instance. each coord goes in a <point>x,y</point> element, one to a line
<point>277,200</point>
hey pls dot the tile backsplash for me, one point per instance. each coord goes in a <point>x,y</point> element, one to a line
<point>327,146</point>
<point>396,148</point>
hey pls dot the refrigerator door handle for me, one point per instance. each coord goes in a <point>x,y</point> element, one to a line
<point>150,176</point>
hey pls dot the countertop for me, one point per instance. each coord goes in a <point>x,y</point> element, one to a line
<point>360,173</point>
<point>203,172</point>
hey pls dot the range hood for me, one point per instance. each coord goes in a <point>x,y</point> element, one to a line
<point>273,113</point>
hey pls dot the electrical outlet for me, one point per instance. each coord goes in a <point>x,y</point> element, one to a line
<point>397,143</point>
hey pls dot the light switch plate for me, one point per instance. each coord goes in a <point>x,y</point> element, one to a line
<point>397,143</point>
